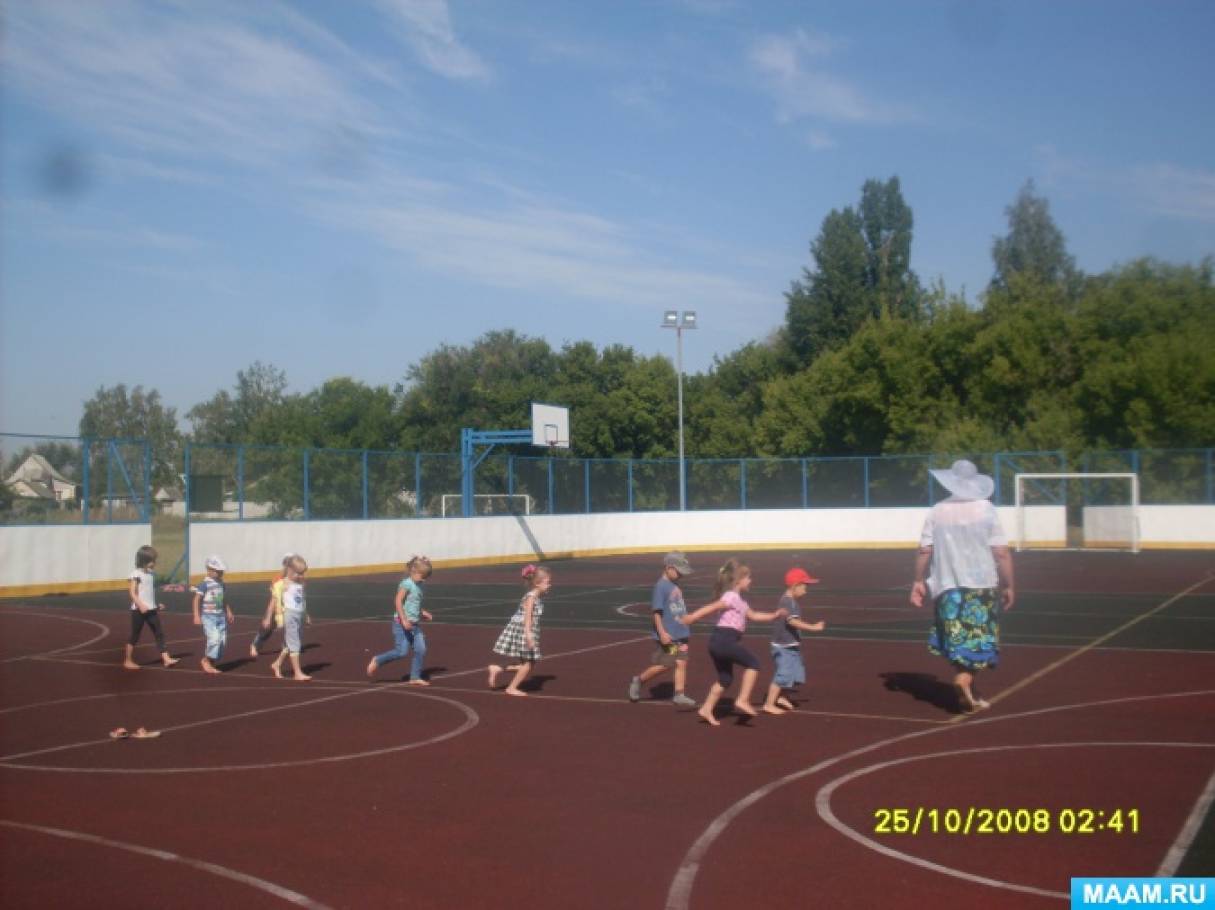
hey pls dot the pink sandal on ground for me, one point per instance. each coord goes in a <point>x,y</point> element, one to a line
<point>143,733</point>
<point>119,733</point>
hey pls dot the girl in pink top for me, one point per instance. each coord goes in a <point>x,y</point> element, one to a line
<point>725,644</point>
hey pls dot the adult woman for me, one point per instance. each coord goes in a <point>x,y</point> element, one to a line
<point>971,578</point>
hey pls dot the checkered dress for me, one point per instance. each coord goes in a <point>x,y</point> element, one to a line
<point>511,642</point>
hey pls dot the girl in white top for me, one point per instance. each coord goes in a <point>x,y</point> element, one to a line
<point>144,608</point>
<point>964,564</point>
<point>295,614</point>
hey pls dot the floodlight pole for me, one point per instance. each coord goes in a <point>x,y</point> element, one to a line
<point>680,321</point>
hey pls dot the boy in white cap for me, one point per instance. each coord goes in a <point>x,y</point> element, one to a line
<point>670,635</point>
<point>212,613</point>
<point>789,668</point>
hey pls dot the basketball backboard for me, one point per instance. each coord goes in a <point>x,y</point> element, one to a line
<point>550,425</point>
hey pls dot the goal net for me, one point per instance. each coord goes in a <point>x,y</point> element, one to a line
<point>488,504</point>
<point>1077,511</point>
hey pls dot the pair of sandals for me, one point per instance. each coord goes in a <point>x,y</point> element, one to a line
<point>141,733</point>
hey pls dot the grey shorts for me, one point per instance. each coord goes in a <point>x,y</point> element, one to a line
<point>668,655</point>
<point>790,668</point>
<point>293,622</point>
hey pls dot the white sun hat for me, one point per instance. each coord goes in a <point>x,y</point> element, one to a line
<point>214,562</point>
<point>964,481</point>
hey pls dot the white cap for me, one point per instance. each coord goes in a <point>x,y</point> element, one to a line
<point>214,562</point>
<point>287,557</point>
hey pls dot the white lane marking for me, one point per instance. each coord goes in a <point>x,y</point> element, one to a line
<point>1189,831</point>
<point>293,897</point>
<point>105,630</point>
<point>679,894</point>
<point>822,802</point>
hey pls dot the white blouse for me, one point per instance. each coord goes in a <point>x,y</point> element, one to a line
<point>961,533</point>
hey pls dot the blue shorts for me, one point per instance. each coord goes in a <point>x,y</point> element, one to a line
<point>790,668</point>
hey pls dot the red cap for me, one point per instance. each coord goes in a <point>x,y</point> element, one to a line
<point>799,577</point>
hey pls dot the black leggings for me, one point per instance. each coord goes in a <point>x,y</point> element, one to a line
<point>152,619</point>
<point>725,647</point>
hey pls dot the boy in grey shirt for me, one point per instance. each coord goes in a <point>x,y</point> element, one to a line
<point>790,669</point>
<point>670,635</point>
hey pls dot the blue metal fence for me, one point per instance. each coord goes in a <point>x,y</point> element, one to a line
<point>271,482</point>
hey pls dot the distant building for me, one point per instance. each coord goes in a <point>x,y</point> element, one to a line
<point>36,478</point>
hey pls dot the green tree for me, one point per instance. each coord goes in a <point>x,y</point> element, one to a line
<point>1034,246</point>
<point>862,271</point>
<point>115,412</point>
<point>233,417</point>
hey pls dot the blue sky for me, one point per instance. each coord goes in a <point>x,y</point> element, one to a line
<point>339,188</point>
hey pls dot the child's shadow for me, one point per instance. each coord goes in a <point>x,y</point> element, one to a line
<point>536,683</point>
<point>315,668</point>
<point>235,664</point>
<point>664,691</point>
<point>924,687</point>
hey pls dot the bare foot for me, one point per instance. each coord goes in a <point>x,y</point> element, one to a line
<point>171,661</point>
<point>518,693</point>
<point>372,667</point>
<point>743,707</point>
<point>253,652</point>
<point>785,703</point>
<point>494,670</point>
<point>772,709</point>
<point>418,682</point>
<point>130,665</point>
<point>277,671</point>
<point>708,717</point>
<point>208,667</point>
<point>301,677</point>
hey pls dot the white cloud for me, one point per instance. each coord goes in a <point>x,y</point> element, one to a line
<point>186,88</point>
<point>426,26</point>
<point>820,141</point>
<point>1161,188</point>
<point>792,68</point>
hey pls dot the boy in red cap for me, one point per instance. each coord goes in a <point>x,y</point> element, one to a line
<point>790,670</point>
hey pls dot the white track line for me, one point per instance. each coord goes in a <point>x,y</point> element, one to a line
<point>822,802</point>
<point>105,630</point>
<point>470,721</point>
<point>286,894</point>
<point>1096,642</point>
<point>679,894</point>
<point>1189,831</point>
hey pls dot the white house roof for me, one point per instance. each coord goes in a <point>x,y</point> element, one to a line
<point>36,469</point>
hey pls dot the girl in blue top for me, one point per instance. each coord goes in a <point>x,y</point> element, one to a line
<point>407,623</point>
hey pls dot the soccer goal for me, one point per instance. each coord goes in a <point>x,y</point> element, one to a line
<point>488,504</point>
<point>1078,511</point>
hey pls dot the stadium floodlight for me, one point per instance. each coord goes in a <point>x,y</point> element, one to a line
<point>679,321</point>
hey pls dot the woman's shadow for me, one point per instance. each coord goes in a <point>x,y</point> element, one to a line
<point>924,687</point>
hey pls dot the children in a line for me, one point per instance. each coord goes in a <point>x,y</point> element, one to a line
<point>295,614</point>
<point>725,644</point>
<point>407,622</point>
<point>789,670</point>
<point>144,608</point>
<point>521,637</point>
<point>670,635</point>
<point>273,618</point>
<point>212,612</point>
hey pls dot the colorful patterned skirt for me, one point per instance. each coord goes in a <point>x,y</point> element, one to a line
<point>966,630</point>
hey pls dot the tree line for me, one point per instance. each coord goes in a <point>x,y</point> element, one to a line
<point>868,361</point>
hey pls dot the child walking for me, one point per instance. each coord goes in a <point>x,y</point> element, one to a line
<point>213,613</point>
<point>725,644</point>
<point>295,614</point>
<point>789,670</point>
<point>521,637</point>
<point>144,607</point>
<point>407,623</point>
<point>273,618</point>
<point>670,635</point>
